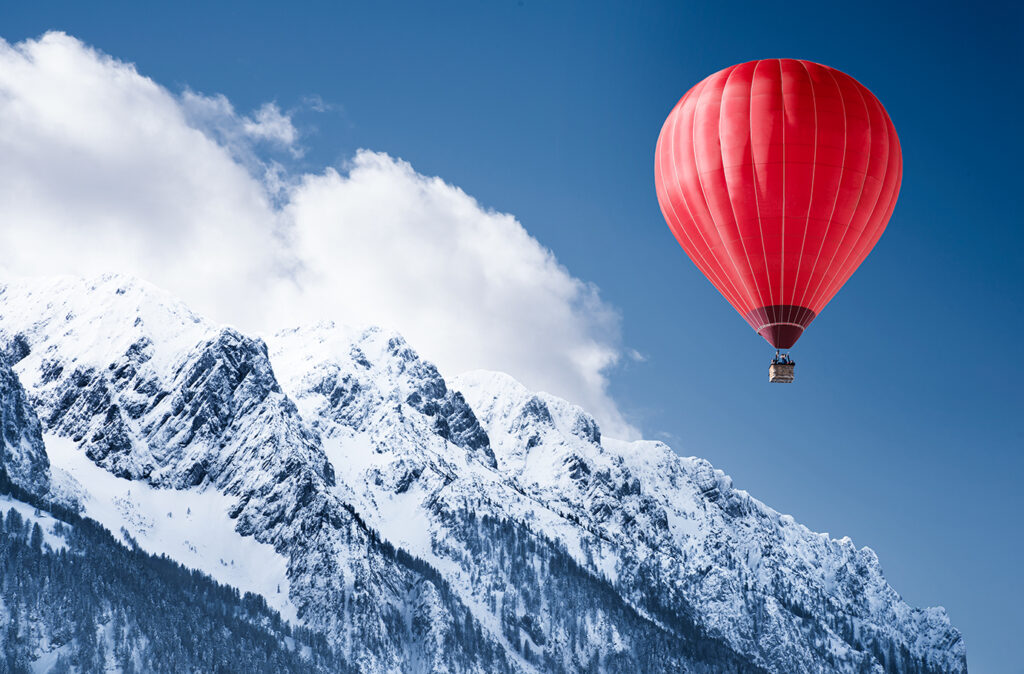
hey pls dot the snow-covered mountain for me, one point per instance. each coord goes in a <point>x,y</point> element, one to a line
<point>422,524</point>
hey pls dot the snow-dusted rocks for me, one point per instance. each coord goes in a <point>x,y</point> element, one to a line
<point>357,378</point>
<point>498,550</point>
<point>788,598</point>
<point>424,525</point>
<point>22,455</point>
<point>150,392</point>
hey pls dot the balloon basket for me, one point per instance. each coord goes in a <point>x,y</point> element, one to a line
<point>781,371</point>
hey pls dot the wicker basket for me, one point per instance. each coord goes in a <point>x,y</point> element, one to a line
<point>781,373</point>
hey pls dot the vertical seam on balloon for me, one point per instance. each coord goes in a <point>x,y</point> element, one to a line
<point>839,188</point>
<point>857,243</point>
<point>732,209</point>
<point>782,256</point>
<point>682,194</point>
<point>674,116</point>
<point>821,283</point>
<point>757,205</point>
<point>700,182</point>
<point>834,286</point>
<point>814,165</point>
<point>824,282</point>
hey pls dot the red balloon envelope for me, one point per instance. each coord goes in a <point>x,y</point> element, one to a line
<point>778,177</point>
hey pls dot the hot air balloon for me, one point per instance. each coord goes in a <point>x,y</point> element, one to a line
<point>777,177</point>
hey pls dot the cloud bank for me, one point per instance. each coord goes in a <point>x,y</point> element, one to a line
<point>102,169</point>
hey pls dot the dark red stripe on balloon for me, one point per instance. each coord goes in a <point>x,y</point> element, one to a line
<point>780,324</point>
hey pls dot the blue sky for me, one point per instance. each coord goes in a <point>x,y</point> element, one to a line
<point>905,428</point>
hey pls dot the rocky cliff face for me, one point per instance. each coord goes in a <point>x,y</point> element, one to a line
<point>788,598</point>
<point>464,525</point>
<point>150,392</point>
<point>23,459</point>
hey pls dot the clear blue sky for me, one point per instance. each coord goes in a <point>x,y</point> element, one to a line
<point>905,429</point>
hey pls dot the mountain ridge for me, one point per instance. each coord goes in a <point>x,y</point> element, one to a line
<point>328,438</point>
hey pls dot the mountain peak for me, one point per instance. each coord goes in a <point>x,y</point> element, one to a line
<point>99,318</point>
<point>352,376</point>
<point>519,420</point>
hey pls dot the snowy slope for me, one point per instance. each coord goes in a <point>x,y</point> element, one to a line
<point>425,525</point>
<point>75,599</point>
<point>186,525</point>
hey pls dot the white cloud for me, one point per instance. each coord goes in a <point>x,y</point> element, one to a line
<point>102,169</point>
<point>242,136</point>
<point>269,124</point>
<point>467,286</point>
<point>636,356</point>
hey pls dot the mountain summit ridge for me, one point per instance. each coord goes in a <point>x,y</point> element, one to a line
<point>459,525</point>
